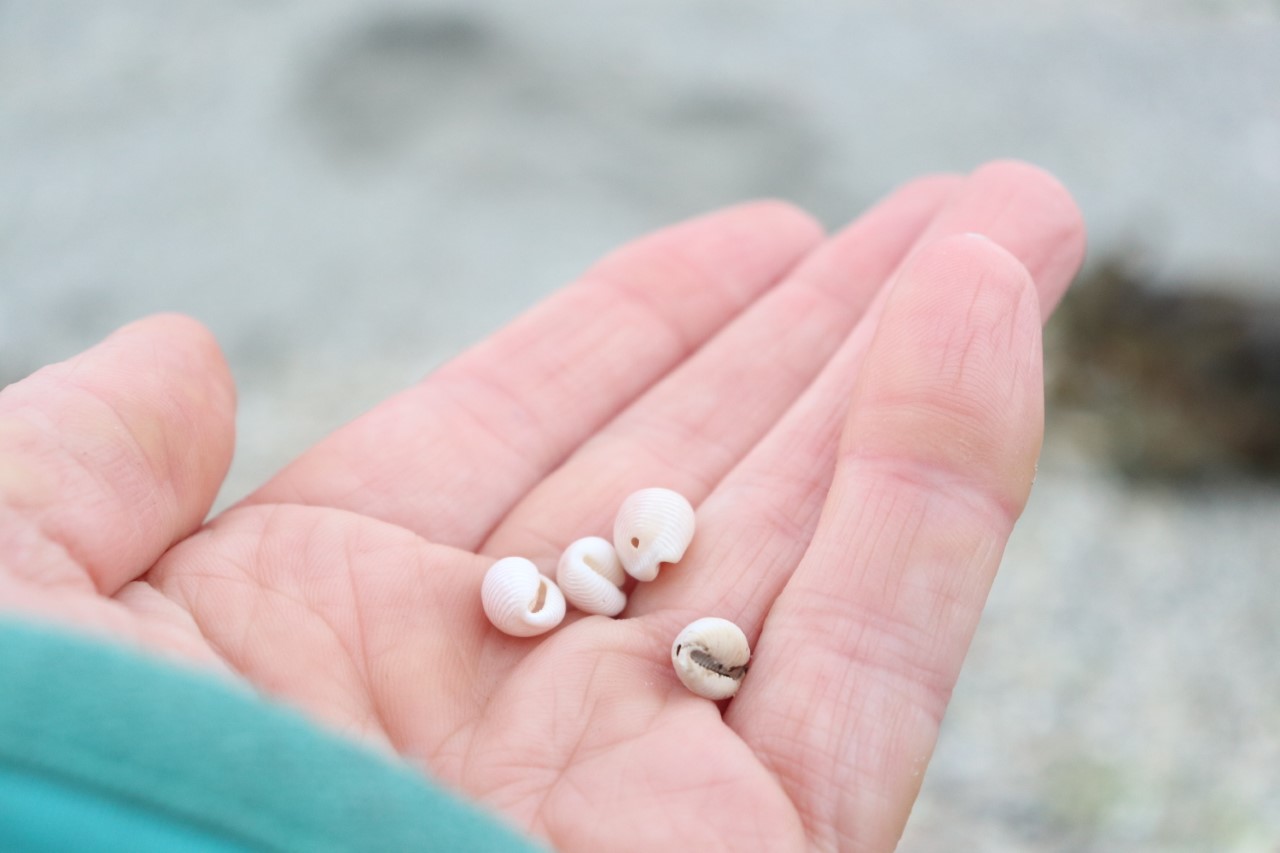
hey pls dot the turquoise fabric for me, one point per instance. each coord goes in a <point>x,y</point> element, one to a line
<point>102,749</point>
<point>43,815</point>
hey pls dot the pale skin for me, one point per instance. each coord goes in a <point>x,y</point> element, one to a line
<point>856,417</point>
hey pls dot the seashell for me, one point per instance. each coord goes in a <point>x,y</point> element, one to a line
<point>519,600</point>
<point>710,657</point>
<point>590,576</point>
<point>653,526</point>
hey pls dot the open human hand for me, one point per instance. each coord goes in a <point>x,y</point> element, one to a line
<point>856,419</point>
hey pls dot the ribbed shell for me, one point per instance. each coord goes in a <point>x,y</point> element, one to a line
<point>519,600</point>
<point>710,657</point>
<point>653,526</point>
<point>590,574</point>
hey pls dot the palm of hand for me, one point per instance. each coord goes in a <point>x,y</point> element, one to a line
<point>349,584</point>
<point>380,633</point>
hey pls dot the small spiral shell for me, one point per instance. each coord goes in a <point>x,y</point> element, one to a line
<point>589,575</point>
<point>710,656</point>
<point>519,600</point>
<point>653,526</point>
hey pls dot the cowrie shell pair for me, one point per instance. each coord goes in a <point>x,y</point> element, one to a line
<point>653,526</point>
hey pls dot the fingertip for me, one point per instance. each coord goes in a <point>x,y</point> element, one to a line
<point>948,265</point>
<point>966,287</point>
<point>970,284</point>
<point>953,380</point>
<point>1059,250</point>
<point>1054,193</point>
<point>921,197</point>
<point>857,259</point>
<point>167,376</point>
<point>1021,173</point>
<point>932,185</point>
<point>1018,176</point>
<point>184,346</point>
<point>743,249</point>
<point>783,221</point>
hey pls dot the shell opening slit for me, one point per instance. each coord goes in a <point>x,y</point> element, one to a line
<point>706,661</point>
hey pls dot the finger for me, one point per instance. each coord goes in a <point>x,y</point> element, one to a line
<point>699,421</point>
<point>1028,212</point>
<point>109,458</point>
<point>449,457</point>
<point>755,526</point>
<point>859,654</point>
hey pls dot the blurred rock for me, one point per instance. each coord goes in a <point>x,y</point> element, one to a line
<point>1179,382</point>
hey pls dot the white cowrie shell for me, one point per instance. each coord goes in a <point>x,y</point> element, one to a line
<point>710,657</point>
<point>590,574</point>
<point>518,600</point>
<point>653,526</point>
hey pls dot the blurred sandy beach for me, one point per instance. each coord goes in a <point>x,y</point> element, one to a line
<point>324,185</point>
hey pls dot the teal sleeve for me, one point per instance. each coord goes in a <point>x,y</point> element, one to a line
<point>102,749</point>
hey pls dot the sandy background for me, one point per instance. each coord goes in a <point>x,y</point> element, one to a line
<point>324,184</point>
